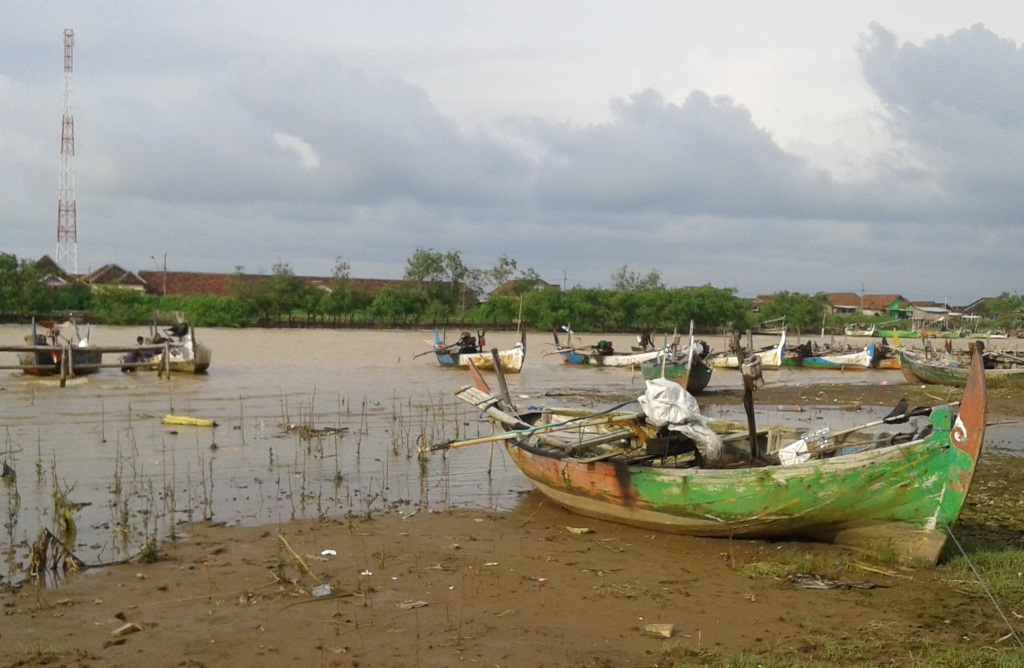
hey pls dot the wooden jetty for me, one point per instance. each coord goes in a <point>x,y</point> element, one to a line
<point>67,358</point>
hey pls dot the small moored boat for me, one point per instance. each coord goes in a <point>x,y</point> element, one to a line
<point>804,357</point>
<point>770,357</point>
<point>469,349</point>
<point>174,348</point>
<point>859,329</point>
<point>686,366</point>
<point>1002,369</point>
<point>602,353</point>
<point>59,350</point>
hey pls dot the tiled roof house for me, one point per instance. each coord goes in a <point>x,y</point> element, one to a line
<point>111,275</point>
<point>190,283</point>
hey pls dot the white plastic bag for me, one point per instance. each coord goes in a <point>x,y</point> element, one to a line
<point>667,404</point>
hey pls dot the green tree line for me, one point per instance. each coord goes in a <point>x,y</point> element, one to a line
<point>438,289</point>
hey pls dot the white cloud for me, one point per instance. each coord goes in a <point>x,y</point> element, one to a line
<point>307,156</point>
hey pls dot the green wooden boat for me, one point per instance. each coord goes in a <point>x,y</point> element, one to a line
<point>674,368</point>
<point>897,493</point>
<point>898,334</point>
<point>949,370</point>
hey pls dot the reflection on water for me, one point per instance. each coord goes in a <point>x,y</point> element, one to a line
<point>310,423</point>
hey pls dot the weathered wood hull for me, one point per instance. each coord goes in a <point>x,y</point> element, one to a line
<point>191,358</point>
<point>59,350</point>
<point>700,373</point>
<point>581,358</point>
<point>511,360</point>
<point>47,362</point>
<point>867,496</point>
<point>178,352</point>
<point>898,334</point>
<point>771,358</point>
<point>919,370</point>
<point>889,363</point>
<point>899,498</point>
<point>855,361</point>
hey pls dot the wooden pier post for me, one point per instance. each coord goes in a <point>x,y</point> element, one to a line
<point>64,367</point>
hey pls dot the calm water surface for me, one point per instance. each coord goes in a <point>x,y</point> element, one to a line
<point>365,394</point>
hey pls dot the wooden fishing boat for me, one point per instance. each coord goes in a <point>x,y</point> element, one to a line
<point>59,350</point>
<point>947,369</point>
<point>897,493</point>
<point>897,334</point>
<point>686,366</point>
<point>696,373</point>
<point>464,352</point>
<point>888,359</point>
<point>855,360</point>
<point>173,348</point>
<point>775,326</point>
<point>187,354</point>
<point>601,354</point>
<point>770,357</point>
<point>858,329</point>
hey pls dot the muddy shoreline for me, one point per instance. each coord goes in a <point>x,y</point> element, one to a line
<point>536,586</point>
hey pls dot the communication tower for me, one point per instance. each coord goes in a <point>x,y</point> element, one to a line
<point>67,225</point>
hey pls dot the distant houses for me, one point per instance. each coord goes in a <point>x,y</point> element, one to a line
<point>919,315</point>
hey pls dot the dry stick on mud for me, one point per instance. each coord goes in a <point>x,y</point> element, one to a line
<point>302,564</point>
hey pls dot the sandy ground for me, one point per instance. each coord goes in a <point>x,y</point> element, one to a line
<point>534,587</point>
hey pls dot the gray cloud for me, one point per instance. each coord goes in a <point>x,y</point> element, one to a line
<point>224,153</point>
<point>957,102</point>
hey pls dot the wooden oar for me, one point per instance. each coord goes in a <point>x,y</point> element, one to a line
<point>897,415</point>
<point>424,353</point>
<point>548,353</point>
<point>573,423</point>
<point>504,436</point>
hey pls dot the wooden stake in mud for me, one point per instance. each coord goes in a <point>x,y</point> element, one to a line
<point>64,367</point>
<point>751,370</point>
<point>689,360</point>
<point>302,564</point>
<point>165,365</point>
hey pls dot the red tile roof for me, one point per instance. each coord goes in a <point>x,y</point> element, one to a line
<point>189,283</point>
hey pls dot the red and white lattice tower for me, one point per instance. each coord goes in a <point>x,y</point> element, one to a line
<point>67,225</point>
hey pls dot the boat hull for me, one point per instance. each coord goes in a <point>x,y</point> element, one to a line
<point>48,362</point>
<point>868,500</point>
<point>191,358</point>
<point>580,358</point>
<point>898,334</point>
<point>511,360</point>
<point>771,358</point>
<point>921,371</point>
<point>899,498</point>
<point>700,374</point>
<point>856,361</point>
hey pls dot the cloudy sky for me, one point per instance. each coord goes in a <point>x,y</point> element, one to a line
<point>763,146</point>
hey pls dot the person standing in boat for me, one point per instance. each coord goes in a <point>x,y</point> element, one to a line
<point>467,343</point>
<point>133,357</point>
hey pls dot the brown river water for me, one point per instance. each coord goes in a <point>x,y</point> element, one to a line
<point>365,397</point>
